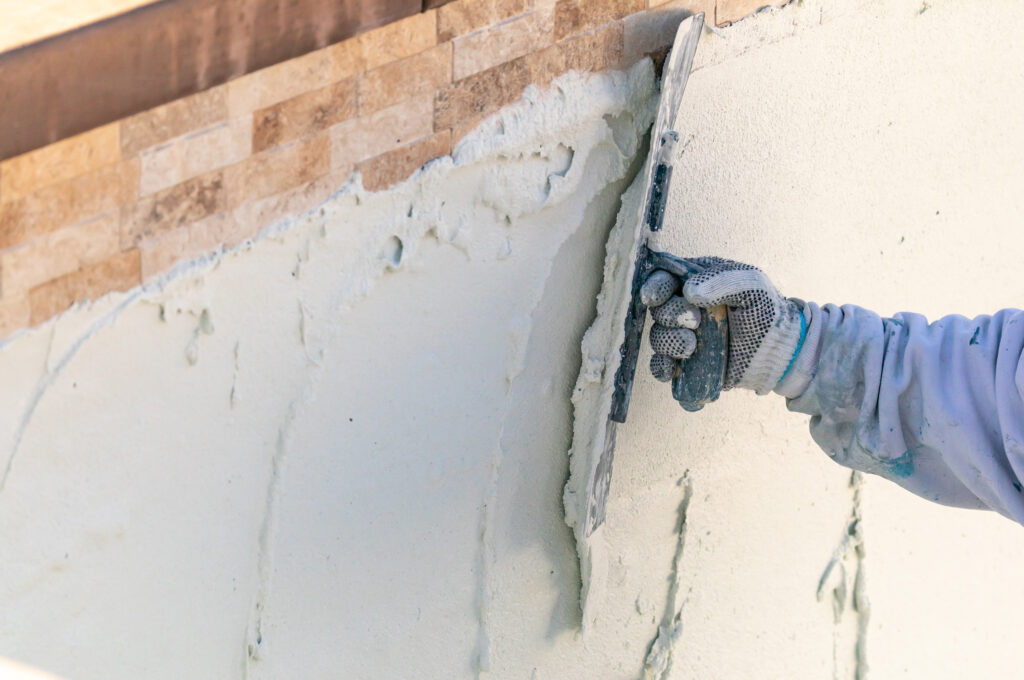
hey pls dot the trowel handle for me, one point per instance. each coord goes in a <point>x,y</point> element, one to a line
<point>700,378</point>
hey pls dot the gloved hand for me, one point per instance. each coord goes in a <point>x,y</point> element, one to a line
<point>765,329</point>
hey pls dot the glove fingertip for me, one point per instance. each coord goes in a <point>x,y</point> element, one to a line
<point>663,367</point>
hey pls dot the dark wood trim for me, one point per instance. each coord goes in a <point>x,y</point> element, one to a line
<point>100,73</point>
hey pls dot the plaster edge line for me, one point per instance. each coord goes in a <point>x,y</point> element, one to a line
<point>658,661</point>
<point>51,375</point>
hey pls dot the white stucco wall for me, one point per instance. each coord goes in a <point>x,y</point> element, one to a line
<point>325,456</point>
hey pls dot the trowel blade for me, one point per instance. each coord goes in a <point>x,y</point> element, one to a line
<point>674,78</point>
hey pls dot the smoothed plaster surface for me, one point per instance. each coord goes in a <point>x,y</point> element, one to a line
<point>340,451</point>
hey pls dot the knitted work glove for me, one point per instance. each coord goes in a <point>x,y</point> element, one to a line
<point>765,329</point>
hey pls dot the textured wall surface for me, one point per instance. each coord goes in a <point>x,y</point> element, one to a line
<point>339,451</point>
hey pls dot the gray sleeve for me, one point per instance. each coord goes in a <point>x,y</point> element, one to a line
<point>936,408</point>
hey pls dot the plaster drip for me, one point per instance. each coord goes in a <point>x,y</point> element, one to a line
<point>844,578</point>
<point>658,662</point>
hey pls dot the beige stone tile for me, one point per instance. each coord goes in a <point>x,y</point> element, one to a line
<point>482,92</point>
<point>356,140</point>
<point>195,154</point>
<point>58,253</point>
<point>305,115</point>
<point>400,80</point>
<point>118,273</point>
<point>595,51</point>
<point>654,30</point>
<point>398,40</point>
<point>64,160</point>
<point>282,81</point>
<point>15,314</point>
<point>278,169</point>
<point>500,43</point>
<point>254,216</point>
<point>578,16</point>
<point>160,167</point>
<point>465,16</point>
<point>172,208</point>
<point>388,169</point>
<point>174,119</point>
<point>158,254</point>
<point>68,202</point>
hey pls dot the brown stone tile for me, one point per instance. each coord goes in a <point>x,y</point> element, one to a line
<point>68,202</point>
<point>278,169</point>
<point>728,11</point>
<point>286,80</point>
<point>171,120</point>
<point>172,208</point>
<point>595,51</point>
<point>57,253</point>
<point>653,31</point>
<point>465,16</point>
<point>398,40</point>
<point>500,43</point>
<point>195,154</point>
<point>158,254</point>
<point>400,80</point>
<point>118,273</point>
<point>577,16</point>
<point>304,115</point>
<point>481,93</point>
<point>356,140</point>
<point>388,169</point>
<point>254,216</point>
<point>69,158</point>
<point>15,314</point>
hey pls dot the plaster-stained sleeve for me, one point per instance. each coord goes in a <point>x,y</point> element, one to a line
<point>936,408</point>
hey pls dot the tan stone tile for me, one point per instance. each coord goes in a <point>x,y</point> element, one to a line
<point>172,208</point>
<point>465,16</point>
<point>158,254</point>
<point>482,92</point>
<point>216,147</point>
<point>347,58</point>
<point>66,159</point>
<point>728,11</point>
<point>160,167</point>
<point>15,314</point>
<point>356,140</point>
<point>400,80</point>
<point>255,216</point>
<point>654,30</point>
<point>68,202</point>
<point>577,16</point>
<point>282,81</point>
<point>594,51</point>
<point>278,169</point>
<point>398,40</point>
<point>500,43</point>
<point>388,169</point>
<point>118,273</point>
<point>57,253</point>
<point>174,119</point>
<point>304,115</point>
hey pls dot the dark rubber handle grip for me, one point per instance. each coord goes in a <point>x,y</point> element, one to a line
<point>700,378</point>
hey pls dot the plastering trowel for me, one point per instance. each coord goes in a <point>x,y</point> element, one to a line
<point>602,402</point>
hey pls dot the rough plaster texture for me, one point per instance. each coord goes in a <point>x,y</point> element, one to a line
<point>340,451</point>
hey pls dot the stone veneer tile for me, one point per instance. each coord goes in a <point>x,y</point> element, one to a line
<point>172,208</point>
<point>388,169</point>
<point>466,16</point>
<point>356,140</point>
<point>502,42</point>
<point>728,11</point>
<point>278,169</point>
<point>398,40</point>
<point>304,115</point>
<point>57,253</point>
<point>177,118</point>
<point>160,253</point>
<point>195,154</point>
<point>594,51</point>
<point>64,160</point>
<point>481,92</point>
<point>118,273</point>
<point>286,80</point>
<point>397,81</point>
<point>576,16</point>
<point>15,314</point>
<point>68,202</point>
<point>254,216</point>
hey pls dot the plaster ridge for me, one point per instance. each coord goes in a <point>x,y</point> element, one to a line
<point>658,661</point>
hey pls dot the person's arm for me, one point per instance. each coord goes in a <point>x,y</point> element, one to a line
<point>937,408</point>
